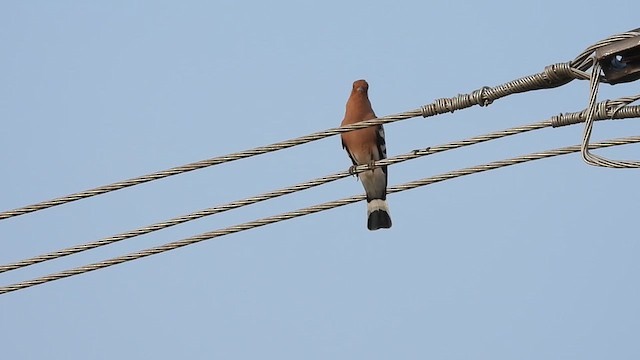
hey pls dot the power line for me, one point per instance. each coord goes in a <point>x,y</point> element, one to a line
<point>618,57</point>
<point>608,111</point>
<point>593,159</point>
<point>553,76</point>
<point>203,164</point>
<point>308,210</point>
<point>270,195</point>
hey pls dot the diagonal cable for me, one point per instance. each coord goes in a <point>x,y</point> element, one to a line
<point>306,211</point>
<point>610,112</point>
<point>203,164</point>
<point>553,76</point>
<point>269,195</point>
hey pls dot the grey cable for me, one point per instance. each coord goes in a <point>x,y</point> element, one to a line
<point>609,112</point>
<point>203,164</point>
<point>269,195</point>
<point>587,59</point>
<point>593,159</point>
<point>306,211</point>
<point>553,76</point>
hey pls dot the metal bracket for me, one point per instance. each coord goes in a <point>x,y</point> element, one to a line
<point>620,61</point>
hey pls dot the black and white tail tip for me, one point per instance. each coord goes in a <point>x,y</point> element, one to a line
<point>378,215</point>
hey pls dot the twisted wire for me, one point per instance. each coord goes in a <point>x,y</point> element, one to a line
<point>584,61</point>
<point>614,110</point>
<point>553,75</point>
<point>206,163</point>
<point>605,110</point>
<point>270,195</point>
<point>306,211</point>
<point>593,111</point>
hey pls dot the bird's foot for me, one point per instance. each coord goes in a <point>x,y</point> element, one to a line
<point>372,165</point>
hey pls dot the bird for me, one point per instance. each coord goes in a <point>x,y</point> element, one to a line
<point>364,146</point>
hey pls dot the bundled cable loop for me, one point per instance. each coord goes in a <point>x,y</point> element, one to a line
<point>592,109</point>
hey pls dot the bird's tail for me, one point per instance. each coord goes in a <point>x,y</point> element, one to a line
<point>378,215</point>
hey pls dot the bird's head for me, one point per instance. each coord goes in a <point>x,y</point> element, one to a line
<point>360,86</point>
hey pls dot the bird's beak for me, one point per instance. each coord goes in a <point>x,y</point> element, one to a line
<point>360,89</point>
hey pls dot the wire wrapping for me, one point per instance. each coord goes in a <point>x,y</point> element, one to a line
<point>593,111</point>
<point>306,211</point>
<point>553,76</point>
<point>584,61</point>
<point>559,120</point>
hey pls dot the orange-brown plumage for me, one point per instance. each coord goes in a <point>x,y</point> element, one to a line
<point>359,142</point>
<point>365,146</point>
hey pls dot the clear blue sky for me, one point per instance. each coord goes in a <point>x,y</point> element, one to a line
<point>537,261</point>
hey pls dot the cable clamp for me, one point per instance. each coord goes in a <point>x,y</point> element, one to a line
<point>620,61</point>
